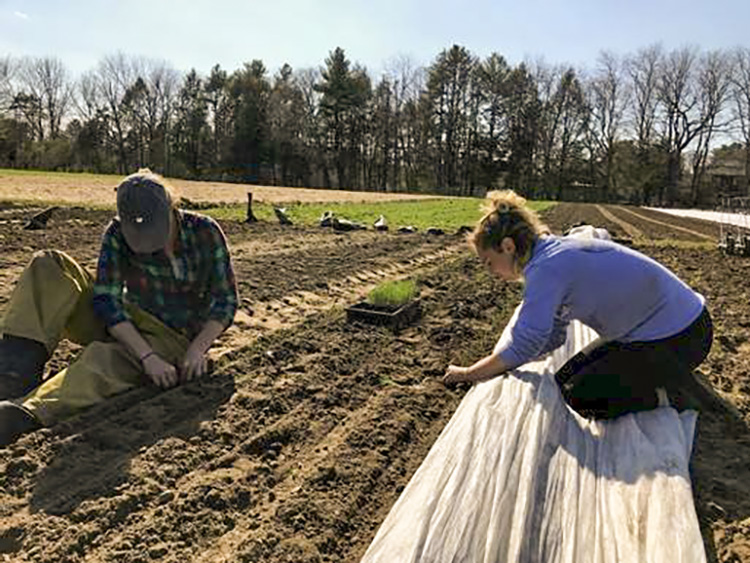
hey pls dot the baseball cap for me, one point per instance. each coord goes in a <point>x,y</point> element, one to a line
<point>144,205</point>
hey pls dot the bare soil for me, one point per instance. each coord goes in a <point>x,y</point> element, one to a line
<point>89,189</point>
<point>298,446</point>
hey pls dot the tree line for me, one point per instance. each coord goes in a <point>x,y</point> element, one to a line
<point>640,127</point>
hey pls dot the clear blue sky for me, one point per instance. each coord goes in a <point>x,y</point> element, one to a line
<point>201,33</point>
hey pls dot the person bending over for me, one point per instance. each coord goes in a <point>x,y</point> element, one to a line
<point>164,291</point>
<point>654,329</point>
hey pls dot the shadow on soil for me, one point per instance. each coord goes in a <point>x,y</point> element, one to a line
<point>719,468</point>
<point>92,453</point>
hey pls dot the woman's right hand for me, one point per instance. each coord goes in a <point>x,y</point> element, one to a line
<point>161,373</point>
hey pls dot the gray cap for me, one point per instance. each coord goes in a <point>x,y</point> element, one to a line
<point>144,206</point>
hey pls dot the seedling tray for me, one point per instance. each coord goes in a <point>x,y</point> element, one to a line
<point>378,315</point>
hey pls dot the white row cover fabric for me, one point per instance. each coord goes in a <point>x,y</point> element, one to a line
<point>517,476</point>
<point>737,219</point>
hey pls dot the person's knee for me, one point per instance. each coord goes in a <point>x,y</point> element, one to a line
<point>49,257</point>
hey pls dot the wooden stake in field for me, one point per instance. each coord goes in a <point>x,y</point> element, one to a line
<point>250,217</point>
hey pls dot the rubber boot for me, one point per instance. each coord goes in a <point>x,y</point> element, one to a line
<point>14,422</point>
<point>21,366</point>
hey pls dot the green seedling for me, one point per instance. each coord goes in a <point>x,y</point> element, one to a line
<point>393,293</point>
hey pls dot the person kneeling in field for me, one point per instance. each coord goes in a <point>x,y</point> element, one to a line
<point>164,291</point>
<point>654,328</point>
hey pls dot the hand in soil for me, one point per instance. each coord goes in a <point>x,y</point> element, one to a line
<point>195,364</point>
<point>456,374</point>
<point>161,373</point>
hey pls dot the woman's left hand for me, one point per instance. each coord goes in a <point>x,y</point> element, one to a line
<point>194,364</point>
<point>457,374</point>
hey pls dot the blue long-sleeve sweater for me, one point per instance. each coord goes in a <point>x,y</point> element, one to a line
<point>620,293</point>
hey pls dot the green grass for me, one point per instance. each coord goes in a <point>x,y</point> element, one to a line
<point>446,214</point>
<point>393,293</point>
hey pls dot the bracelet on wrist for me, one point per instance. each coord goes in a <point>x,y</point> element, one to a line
<point>146,355</point>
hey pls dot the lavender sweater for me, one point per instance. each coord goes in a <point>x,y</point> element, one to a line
<point>620,293</point>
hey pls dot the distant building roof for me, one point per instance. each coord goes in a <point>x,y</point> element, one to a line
<point>724,170</point>
<point>727,167</point>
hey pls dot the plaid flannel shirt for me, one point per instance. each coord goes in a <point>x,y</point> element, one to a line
<point>198,285</point>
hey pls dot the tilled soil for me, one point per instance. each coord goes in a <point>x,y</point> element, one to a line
<point>298,446</point>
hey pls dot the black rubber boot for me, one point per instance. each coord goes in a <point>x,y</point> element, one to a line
<point>21,365</point>
<point>14,422</point>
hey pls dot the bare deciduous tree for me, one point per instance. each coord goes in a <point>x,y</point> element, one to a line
<point>713,83</point>
<point>89,101</point>
<point>46,80</point>
<point>161,86</point>
<point>692,91</point>
<point>314,139</point>
<point>563,120</point>
<point>407,78</point>
<point>608,98</point>
<point>7,70</point>
<point>643,70</point>
<point>678,94</point>
<point>740,92</point>
<point>114,77</point>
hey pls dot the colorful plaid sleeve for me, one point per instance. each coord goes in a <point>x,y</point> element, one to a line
<point>224,296</point>
<point>108,303</point>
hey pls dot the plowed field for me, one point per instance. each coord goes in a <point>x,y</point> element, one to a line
<point>300,443</point>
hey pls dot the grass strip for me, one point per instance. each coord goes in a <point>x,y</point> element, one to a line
<point>447,214</point>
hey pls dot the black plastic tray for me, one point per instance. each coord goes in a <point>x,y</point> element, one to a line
<point>396,319</point>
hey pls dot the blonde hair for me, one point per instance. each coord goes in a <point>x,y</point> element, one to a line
<point>146,176</point>
<point>507,215</point>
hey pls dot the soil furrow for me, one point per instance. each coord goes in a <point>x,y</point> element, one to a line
<point>666,224</point>
<point>627,227</point>
<point>291,309</point>
<point>301,442</point>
